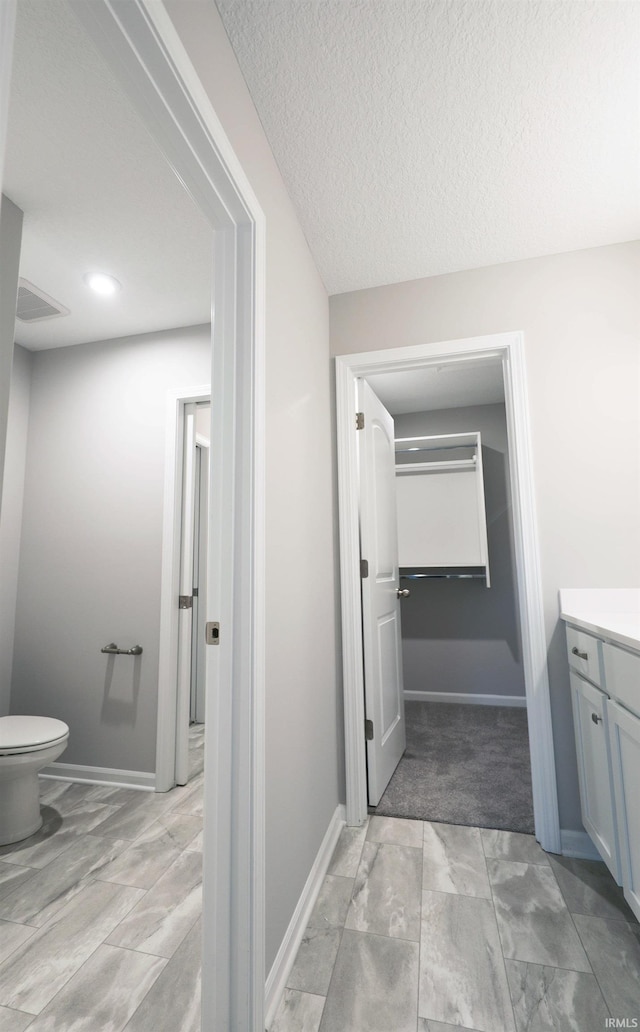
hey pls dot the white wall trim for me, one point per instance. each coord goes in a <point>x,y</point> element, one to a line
<point>578,844</point>
<point>466,698</point>
<point>509,348</point>
<point>277,980</point>
<point>141,46</point>
<point>76,772</point>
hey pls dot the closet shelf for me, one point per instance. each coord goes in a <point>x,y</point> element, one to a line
<point>442,526</point>
<point>438,442</point>
<point>429,447</point>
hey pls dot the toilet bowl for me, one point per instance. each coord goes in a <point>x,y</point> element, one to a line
<point>27,744</point>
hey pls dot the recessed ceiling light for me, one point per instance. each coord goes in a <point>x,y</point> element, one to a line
<point>102,283</point>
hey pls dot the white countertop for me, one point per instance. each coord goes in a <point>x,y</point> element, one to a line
<point>611,613</point>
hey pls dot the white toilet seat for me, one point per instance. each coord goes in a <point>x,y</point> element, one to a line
<point>23,734</point>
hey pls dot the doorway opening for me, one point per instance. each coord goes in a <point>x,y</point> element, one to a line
<point>465,755</point>
<point>507,351</point>
<point>142,47</point>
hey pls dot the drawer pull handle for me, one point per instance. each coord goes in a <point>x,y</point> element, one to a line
<point>596,719</point>
<point>575,651</point>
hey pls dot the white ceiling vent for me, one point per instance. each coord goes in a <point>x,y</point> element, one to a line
<point>34,304</point>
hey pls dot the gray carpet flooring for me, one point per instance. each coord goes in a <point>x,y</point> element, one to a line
<point>463,765</point>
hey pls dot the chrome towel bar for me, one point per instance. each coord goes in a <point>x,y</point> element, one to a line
<point>113,650</point>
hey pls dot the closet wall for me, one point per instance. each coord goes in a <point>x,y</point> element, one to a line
<point>458,636</point>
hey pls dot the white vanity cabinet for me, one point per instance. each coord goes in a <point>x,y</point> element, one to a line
<point>603,648</point>
<point>590,721</point>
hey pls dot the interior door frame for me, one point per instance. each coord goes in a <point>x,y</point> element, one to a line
<point>509,348</point>
<point>141,46</point>
<point>139,42</point>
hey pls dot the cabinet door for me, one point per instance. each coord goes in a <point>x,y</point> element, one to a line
<point>596,792</point>
<point>624,731</point>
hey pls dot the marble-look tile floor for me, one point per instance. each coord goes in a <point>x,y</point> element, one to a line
<point>424,927</point>
<point>100,911</point>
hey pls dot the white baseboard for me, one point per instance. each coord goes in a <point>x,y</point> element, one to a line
<point>578,844</point>
<point>465,697</point>
<point>100,776</point>
<point>277,980</point>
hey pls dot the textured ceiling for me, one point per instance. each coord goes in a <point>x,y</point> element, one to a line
<point>96,193</point>
<point>419,137</point>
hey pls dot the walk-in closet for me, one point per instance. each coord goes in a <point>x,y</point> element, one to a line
<point>467,750</point>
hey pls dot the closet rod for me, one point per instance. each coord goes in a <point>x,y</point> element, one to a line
<point>443,576</point>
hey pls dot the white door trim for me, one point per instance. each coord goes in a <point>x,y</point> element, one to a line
<point>509,347</point>
<point>140,44</point>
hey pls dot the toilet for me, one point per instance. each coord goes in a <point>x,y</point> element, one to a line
<point>27,744</point>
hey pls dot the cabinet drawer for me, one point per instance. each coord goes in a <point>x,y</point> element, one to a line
<point>622,674</point>
<point>582,650</point>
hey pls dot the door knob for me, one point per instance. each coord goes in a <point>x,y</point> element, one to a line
<point>403,592</point>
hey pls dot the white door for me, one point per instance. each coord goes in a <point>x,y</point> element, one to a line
<point>199,608</point>
<point>384,701</point>
<point>185,611</point>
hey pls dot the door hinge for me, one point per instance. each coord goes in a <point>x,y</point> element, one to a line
<point>368,730</point>
<point>212,633</point>
<point>359,420</point>
<point>364,568</point>
<point>185,601</point>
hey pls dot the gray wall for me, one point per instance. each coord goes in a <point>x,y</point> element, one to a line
<point>460,636</point>
<point>10,242</point>
<point>580,313</point>
<point>304,729</point>
<point>11,513</point>
<point>91,539</point>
